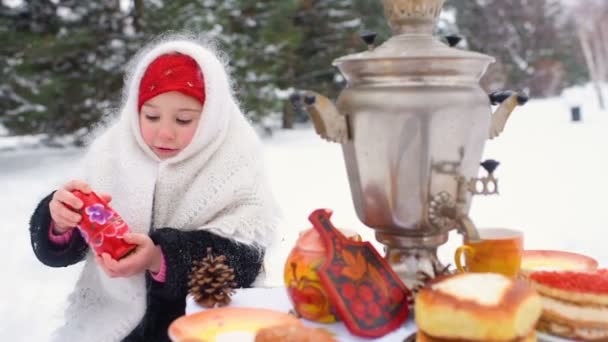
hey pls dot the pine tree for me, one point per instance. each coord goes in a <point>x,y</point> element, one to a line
<point>71,54</point>
<point>233,24</point>
<point>67,66</point>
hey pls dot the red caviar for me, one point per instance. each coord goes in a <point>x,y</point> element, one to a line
<point>596,282</point>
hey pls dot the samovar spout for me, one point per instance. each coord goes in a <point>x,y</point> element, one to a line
<point>326,118</point>
<point>468,229</point>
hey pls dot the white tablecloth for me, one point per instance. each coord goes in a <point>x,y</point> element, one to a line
<point>276,299</point>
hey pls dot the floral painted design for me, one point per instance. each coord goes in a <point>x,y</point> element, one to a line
<point>117,228</point>
<point>98,213</point>
<point>102,228</point>
<point>100,217</point>
<point>370,297</point>
<point>97,240</point>
<point>120,226</point>
<point>364,286</point>
<point>304,287</point>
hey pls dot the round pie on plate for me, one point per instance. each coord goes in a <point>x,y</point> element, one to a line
<point>547,260</point>
<point>227,324</point>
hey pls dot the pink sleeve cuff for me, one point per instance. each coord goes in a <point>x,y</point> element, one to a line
<point>162,274</point>
<point>60,239</point>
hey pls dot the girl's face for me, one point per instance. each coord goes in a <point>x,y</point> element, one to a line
<point>168,122</point>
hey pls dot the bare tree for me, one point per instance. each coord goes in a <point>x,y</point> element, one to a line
<point>532,40</point>
<point>592,29</point>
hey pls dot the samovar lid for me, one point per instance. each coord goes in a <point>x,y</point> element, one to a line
<point>413,53</point>
<point>412,47</point>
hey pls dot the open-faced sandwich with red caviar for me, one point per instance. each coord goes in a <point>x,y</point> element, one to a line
<point>575,304</point>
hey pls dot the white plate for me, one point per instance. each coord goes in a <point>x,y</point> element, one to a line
<point>544,337</point>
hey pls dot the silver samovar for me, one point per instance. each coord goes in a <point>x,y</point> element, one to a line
<point>412,122</point>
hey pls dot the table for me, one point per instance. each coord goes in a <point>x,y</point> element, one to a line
<point>275,298</point>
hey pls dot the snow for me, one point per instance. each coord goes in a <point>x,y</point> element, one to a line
<point>552,181</point>
<point>12,3</point>
<point>17,142</point>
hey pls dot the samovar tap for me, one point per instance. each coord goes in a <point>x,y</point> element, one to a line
<point>485,186</point>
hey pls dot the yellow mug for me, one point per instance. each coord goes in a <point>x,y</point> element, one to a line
<point>498,251</point>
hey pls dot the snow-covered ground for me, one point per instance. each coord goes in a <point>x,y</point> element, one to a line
<point>552,178</point>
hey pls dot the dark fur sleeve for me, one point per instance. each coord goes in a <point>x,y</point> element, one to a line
<point>180,249</point>
<point>48,252</point>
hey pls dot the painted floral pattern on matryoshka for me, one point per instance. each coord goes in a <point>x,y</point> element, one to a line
<point>99,216</point>
<point>102,228</point>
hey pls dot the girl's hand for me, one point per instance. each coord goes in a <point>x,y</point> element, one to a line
<point>63,216</point>
<point>147,256</point>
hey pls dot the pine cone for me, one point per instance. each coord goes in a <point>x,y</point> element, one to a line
<point>211,281</point>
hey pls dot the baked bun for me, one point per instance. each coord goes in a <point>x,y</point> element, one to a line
<point>422,337</point>
<point>293,333</point>
<point>477,307</point>
<point>575,304</point>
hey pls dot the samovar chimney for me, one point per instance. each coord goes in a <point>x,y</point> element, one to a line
<point>412,16</point>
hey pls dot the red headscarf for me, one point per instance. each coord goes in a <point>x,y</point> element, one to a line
<point>172,72</point>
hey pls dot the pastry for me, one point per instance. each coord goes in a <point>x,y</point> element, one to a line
<point>293,333</point>
<point>422,337</point>
<point>477,307</point>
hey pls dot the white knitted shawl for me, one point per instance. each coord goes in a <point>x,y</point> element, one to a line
<point>216,183</point>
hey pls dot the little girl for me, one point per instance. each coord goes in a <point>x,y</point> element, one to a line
<point>184,169</point>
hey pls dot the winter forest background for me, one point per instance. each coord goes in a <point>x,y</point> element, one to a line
<point>61,61</point>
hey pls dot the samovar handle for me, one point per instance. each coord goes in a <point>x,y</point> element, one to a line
<point>453,40</point>
<point>369,38</point>
<point>508,100</point>
<point>326,119</point>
